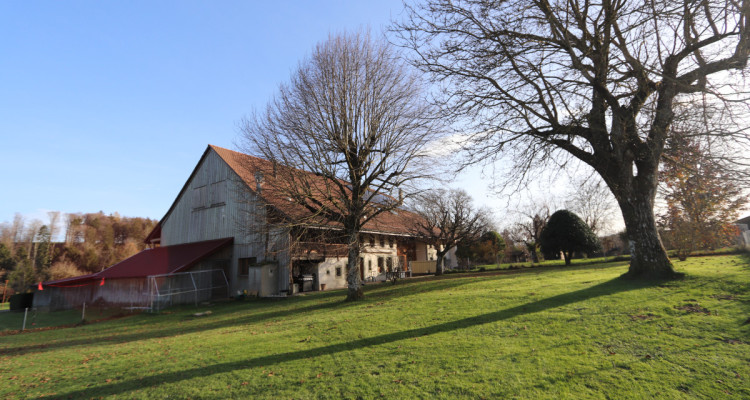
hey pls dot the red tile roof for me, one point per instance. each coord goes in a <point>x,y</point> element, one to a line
<point>396,222</point>
<point>157,261</point>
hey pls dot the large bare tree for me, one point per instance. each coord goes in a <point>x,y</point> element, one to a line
<point>347,133</point>
<point>592,201</point>
<point>448,219</point>
<point>543,80</point>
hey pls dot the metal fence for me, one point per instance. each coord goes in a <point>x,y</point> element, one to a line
<point>186,288</point>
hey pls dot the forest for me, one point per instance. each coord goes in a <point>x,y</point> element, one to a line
<point>67,245</point>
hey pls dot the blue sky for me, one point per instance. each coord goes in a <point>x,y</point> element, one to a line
<point>109,105</point>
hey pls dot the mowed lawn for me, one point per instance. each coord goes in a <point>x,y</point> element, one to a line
<point>547,333</point>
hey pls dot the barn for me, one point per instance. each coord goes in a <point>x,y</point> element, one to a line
<point>227,219</point>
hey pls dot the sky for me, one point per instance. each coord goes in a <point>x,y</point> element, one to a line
<point>108,106</point>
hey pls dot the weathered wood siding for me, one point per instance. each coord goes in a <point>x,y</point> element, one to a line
<point>422,267</point>
<point>114,292</point>
<point>216,204</point>
<point>210,207</point>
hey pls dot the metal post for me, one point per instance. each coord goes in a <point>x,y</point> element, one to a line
<point>23,328</point>
<point>83,312</point>
<point>151,293</point>
<point>195,288</point>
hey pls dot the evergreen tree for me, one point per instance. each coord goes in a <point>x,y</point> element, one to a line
<point>42,259</point>
<point>567,233</point>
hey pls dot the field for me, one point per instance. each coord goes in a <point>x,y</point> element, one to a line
<point>549,332</point>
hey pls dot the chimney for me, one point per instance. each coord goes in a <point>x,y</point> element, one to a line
<point>258,181</point>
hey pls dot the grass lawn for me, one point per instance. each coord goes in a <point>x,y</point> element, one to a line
<point>4,306</point>
<point>544,333</point>
<point>11,322</point>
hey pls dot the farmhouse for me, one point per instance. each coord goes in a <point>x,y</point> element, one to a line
<point>229,232</point>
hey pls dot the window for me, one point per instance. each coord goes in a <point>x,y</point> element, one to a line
<point>244,264</point>
<point>389,264</point>
<point>338,271</point>
<point>380,265</point>
<point>390,242</point>
<point>369,265</point>
<point>382,241</point>
<point>372,240</point>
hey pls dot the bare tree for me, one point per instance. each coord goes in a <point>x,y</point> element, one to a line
<point>30,236</point>
<point>345,134</point>
<point>545,80</point>
<point>592,201</point>
<point>448,219</point>
<point>528,229</point>
<point>54,222</point>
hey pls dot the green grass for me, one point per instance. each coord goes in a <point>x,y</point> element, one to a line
<point>547,333</point>
<point>544,263</point>
<point>5,306</point>
<point>595,260</point>
<point>11,322</point>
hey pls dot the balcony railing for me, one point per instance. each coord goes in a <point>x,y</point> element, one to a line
<point>318,251</point>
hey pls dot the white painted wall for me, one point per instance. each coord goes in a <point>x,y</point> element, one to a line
<point>327,273</point>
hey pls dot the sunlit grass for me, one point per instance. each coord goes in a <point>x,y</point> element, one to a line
<point>577,332</point>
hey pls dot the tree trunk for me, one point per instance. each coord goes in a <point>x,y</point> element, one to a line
<point>531,247</point>
<point>567,255</point>
<point>439,263</point>
<point>648,258</point>
<point>355,291</point>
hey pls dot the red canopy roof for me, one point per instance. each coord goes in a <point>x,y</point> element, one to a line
<point>157,261</point>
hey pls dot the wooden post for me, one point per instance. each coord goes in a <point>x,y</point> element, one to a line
<point>23,328</point>
<point>83,312</point>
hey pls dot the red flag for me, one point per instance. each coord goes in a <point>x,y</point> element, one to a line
<point>102,282</point>
<point>40,286</point>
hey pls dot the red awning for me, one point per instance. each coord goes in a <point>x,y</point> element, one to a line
<point>157,261</point>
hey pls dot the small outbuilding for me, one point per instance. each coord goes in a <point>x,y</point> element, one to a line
<point>151,279</point>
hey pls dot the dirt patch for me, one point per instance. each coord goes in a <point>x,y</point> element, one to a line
<point>643,317</point>
<point>693,308</point>
<point>724,297</point>
<point>733,341</point>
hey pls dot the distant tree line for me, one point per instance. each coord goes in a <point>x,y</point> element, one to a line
<point>68,245</point>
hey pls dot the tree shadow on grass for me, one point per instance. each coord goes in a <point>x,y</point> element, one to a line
<point>617,285</point>
<point>318,301</point>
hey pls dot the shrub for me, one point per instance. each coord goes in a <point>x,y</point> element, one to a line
<point>64,269</point>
